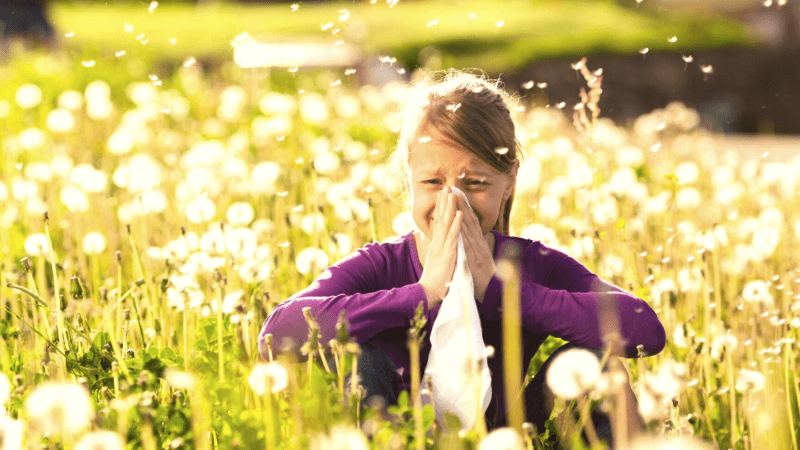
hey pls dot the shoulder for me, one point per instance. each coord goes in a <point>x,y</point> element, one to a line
<point>383,257</point>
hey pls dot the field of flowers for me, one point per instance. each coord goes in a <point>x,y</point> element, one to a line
<point>149,225</point>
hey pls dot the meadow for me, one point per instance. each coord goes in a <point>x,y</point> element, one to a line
<point>150,223</point>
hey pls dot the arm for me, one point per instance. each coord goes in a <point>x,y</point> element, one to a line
<point>561,297</point>
<point>351,285</point>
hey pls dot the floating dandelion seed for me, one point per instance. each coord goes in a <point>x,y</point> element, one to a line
<point>349,71</point>
<point>432,23</point>
<point>767,3</point>
<point>528,85</point>
<point>644,50</point>
<point>18,166</point>
<point>326,26</point>
<point>424,139</point>
<point>172,41</point>
<point>336,30</point>
<point>501,150</point>
<point>293,70</point>
<point>500,23</point>
<point>295,7</point>
<point>343,15</point>
<point>153,6</point>
<point>89,63</point>
<point>541,85</point>
<point>145,41</point>
<point>561,105</point>
<point>656,147</point>
<point>391,3</point>
<point>189,61</point>
<point>707,69</point>
<point>70,34</point>
<point>140,37</point>
<point>472,15</point>
<point>453,108</point>
<point>577,66</point>
<point>781,2</point>
<point>128,28</point>
<point>401,71</point>
<point>119,53</point>
<point>338,43</point>
<point>336,83</point>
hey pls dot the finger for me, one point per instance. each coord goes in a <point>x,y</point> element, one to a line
<point>450,210</point>
<point>455,228</point>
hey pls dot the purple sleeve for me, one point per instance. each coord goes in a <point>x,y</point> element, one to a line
<point>353,285</point>
<point>561,297</point>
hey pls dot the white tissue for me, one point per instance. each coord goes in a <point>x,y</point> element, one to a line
<point>457,361</point>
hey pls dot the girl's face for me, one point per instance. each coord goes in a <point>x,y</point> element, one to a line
<point>438,163</point>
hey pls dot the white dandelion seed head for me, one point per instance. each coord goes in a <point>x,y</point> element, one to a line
<point>348,106</point>
<point>101,440</point>
<point>121,141</point>
<point>231,300</point>
<point>313,223</point>
<point>97,90</point>
<point>88,178</point>
<point>74,199</point>
<point>28,96</point>
<point>580,175</point>
<point>99,109</point>
<point>268,377</point>
<point>31,138</point>
<point>22,189</point>
<point>4,194</point>
<point>180,379</point>
<point>200,210</point>
<point>757,292</point>
<point>61,165</point>
<point>688,198</point>
<point>71,100</point>
<point>94,243</point>
<point>310,259</point>
<point>10,432</point>
<point>240,214</point>
<point>38,171</point>
<point>766,240</point>
<point>60,120</point>
<point>402,222</point>
<point>342,244</point>
<point>313,109</point>
<point>573,372</point>
<point>59,408</point>
<point>728,342</point>
<point>539,232</point>
<point>263,177</point>
<point>5,389</point>
<point>549,208</point>
<point>37,245</point>
<point>341,437</point>
<point>256,270</point>
<point>274,103</point>
<point>202,263</point>
<point>749,381</point>
<point>502,439</point>
<point>241,242</point>
<point>326,163</point>
<point>685,442</point>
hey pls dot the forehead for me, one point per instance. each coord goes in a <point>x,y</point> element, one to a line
<point>432,153</point>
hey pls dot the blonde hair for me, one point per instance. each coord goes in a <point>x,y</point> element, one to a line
<point>469,110</point>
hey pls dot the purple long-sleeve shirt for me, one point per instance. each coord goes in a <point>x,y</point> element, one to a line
<point>378,286</point>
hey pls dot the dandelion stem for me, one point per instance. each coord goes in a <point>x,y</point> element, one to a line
<point>59,316</point>
<point>512,338</point>
<point>221,293</point>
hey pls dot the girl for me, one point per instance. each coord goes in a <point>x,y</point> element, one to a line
<point>458,131</point>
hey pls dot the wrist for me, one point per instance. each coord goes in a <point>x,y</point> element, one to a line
<point>432,295</point>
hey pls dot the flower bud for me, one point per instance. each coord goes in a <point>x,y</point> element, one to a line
<point>75,289</point>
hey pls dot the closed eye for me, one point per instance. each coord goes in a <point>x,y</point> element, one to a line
<point>431,182</point>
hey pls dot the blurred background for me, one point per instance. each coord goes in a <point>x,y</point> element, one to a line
<point>734,61</point>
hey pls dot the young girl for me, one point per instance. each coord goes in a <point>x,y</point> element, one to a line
<point>458,131</point>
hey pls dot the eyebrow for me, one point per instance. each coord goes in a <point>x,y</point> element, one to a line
<point>475,173</point>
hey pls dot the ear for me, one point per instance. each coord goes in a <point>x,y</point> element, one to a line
<point>512,180</point>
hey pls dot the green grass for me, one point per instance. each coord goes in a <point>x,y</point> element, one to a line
<point>531,30</point>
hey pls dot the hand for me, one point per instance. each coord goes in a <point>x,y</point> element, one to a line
<point>440,261</point>
<point>479,256</point>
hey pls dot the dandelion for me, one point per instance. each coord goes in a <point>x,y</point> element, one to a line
<point>311,223</point>
<point>31,138</point>
<point>94,243</point>
<point>180,379</point>
<point>97,90</point>
<point>10,433</point>
<point>340,437</point>
<point>59,408</point>
<point>200,210</point>
<point>309,259</point>
<point>240,214</point>
<point>37,245</point>
<point>749,381</point>
<point>28,96</point>
<point>183,291</point>
<point>757,292</point>
<point>502,439</point>
<point>74,199</point>
<point>268,377</point>
<point>120,142</point>
<point>88,178</point>
<point>314,109</point>
<point>60,121</point>
<point>727,341</point>
<point>573,372</point>
<point>101,440</point>
<point>326,163</point>
<point>5,391</point>
<point>765,241</point>
<point>241,242</point>
<point>687,172</point>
